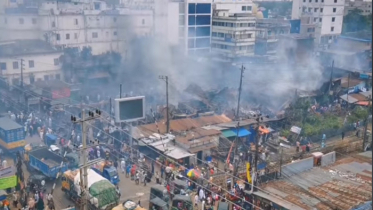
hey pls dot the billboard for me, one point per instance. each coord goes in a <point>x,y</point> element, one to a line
<point>129,109</point>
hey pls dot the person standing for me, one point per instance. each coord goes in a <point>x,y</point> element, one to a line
<point>157,178</point>
<point>116,164</point>
<point>123,165</point>
<point>15,199</point>
<point>162,171</point>
<point>343,135</point>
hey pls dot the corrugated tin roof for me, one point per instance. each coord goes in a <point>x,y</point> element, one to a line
<point>345,82</point>
<point>8,124</point>
<point>196,134</point>
<point>184,124</point>
<point>341,186</point>
<point>349,99</point>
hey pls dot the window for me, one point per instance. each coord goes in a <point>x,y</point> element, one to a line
<point>316,1</point>
<point>333,19</point>
<point>5,20</point>
<point>191,31</point>
<point>191,20</point>
<point>332,29</point>
<point>34,21</point>
<point>202,42</point>
<point>322,1</point>
<point>314,19</point>
<point>182,8</point>
<point>203,8</point>
<point>15,65</point>
<point>335,1</point>
<point>309,9</point>
<point>310,1</point>
<point>76,22</point>
<point>94,35</point>
<point>115,20</point>
<point>304,0</point>
<point>334,9</point>
<point>21,21</point>
<point>115,33</point>
<point>53,24</point>
<point>58,37</point>
<point>191,8</point>
<point>75,35</point>
<point>143,21</point>
<point>46,77</point>
<point>190,43</point>
<point>321,10</point>
<point>203,20</point>
<point>67,36</point>
<point>214,34</point>
<point>243,8</point>
<point>58,76</point>
<point>310,29</point>
<point>315,10</point>
<point>320,20</point>
<point>31,64</point>
<point>203,31</point>
<point>2,66</point>
<point>56,61</point>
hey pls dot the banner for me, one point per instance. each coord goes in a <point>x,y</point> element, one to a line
<point>12,145</point>
<point>248,174</point>
<point>8,182</point>
<point>8,171</point>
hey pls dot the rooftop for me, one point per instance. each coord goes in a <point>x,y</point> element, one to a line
<point>180,125</point>
<point>25,47</point>
<point>344,185</point>
<point>8,124</point>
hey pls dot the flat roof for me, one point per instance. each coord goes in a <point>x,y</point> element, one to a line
<point>26,47</point>
<point>8,124</point>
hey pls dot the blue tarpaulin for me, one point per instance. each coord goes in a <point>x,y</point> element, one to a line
<point>241,132</point>
<point>365,206</point>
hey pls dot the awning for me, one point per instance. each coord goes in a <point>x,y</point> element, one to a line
<point>362,103</point>
<point>241,132</point>
<point>228,133</point>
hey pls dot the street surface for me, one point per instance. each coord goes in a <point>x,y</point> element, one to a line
<point>128,188</point>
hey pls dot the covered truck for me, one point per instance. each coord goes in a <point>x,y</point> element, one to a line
<point>102,193</point>
<point>107,170</point>
<point>46,162</point>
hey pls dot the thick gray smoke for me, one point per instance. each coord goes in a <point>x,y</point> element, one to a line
<point>267,84</point>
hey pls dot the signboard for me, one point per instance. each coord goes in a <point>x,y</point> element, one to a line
<point>129,109</point>
<point>8,182</point>
<point>62,93</point>
<point>8,171</point>
<point>12,145</point>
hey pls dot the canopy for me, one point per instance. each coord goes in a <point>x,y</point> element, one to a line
<point>228,133</point>
<point>241,132</point>
<point>93,177</point>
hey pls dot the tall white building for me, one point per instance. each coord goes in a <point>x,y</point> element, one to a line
<point>233,28</point>
<point>327,14</point>
<point>77,24</point>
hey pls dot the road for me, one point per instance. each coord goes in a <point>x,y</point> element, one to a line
<point>128,188</point>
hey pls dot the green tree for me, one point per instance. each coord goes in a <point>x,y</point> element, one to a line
<point>355,21</point>
<point>359,113</point>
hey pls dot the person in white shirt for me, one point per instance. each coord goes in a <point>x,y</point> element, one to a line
<point>123,166</point>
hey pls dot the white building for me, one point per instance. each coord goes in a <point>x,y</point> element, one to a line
<point>77,24</point>
<point>36,59</point>
<point>364,5</point>
<point>233,29</point>
<point>327,14</point>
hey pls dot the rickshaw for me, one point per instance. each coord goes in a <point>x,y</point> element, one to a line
<point>159,198</point>
<point>179,187</point>
<point>182,202</point>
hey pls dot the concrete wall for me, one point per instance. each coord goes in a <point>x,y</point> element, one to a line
<point>297,167</point>
<point>328,159</point>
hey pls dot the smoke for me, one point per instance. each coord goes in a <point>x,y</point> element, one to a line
<point>267,84</point>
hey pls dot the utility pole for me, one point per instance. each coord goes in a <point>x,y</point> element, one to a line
<point>366,123</point>
<point>165,78</point>
<point>348,89</point>
<point>84,167</point>
<point>22,87</point>
<point>239,93</point>
<point>331,77</point>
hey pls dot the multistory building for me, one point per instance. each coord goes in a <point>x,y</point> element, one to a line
<point>77,24</point>
<point>326,14</point>
<point>233,29</point>
<point>364,5</point>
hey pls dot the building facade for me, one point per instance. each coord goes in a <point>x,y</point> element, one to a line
<point>78,24</point>
<point>233,29</point>
<point>363,5</point>
<point>35,59</point>
<point>267,35</point>
<point>326,14</point>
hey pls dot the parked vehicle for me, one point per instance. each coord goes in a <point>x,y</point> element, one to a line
<point>107,170</point>
<point>46,162</point>
<point>160,200</point>
<point>103,194</point>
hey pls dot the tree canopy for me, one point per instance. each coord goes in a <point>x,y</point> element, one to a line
<point>355,21</point>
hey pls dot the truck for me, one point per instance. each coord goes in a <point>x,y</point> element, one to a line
<point>102,193</point>
<point>12,136</point>
<point>46,162</point>
<point>107,170</point>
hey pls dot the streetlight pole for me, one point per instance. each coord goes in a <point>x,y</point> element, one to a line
<point>239,93</point>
